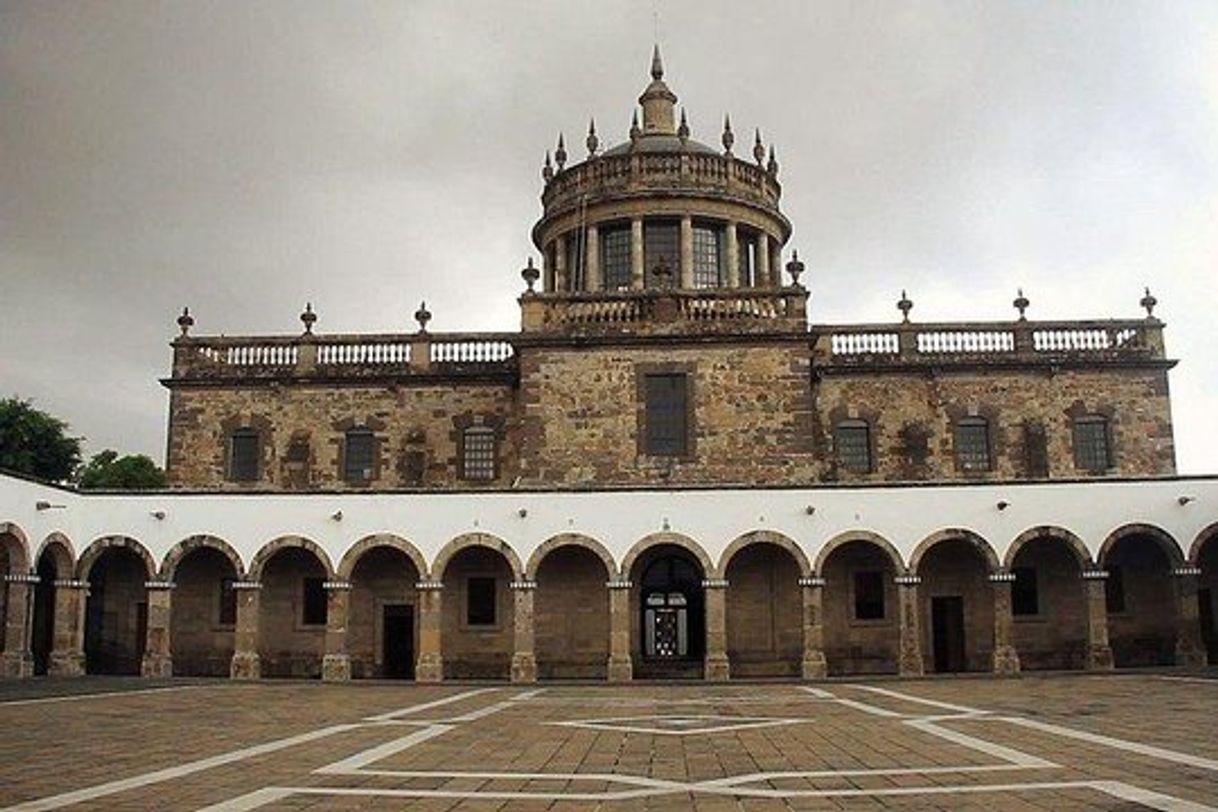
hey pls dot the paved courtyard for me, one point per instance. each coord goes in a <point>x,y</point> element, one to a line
<point>1140,741</point>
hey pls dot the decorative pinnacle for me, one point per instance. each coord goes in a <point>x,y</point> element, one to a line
<point>904,305</point>
<point>772,165</point>
<point>758,149</point>
<point>657,65</point>
<point>635,132</point>
<point>530,275</point>
<point>1021,304</point>
<point>592,142</point>
<point>795,268</point>
<point>547,171</point>
<point>185,321</point>
<point>728,137</point>
<point>308,318</point>
<point>422,316</point>
<point>1148,302</point>
<point>683,128</point>
<point>560,154</point>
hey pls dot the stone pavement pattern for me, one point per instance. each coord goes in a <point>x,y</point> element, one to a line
<point>1130,742</point>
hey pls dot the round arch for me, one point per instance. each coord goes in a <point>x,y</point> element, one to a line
<point>452,548</point>
<point>571,540</point>
<point>677,540</point>
<point>21,561</point>
<point>763,537</point>
<point>61,550</point>
<point>1166,542</point>
<point>258,563</point>
<point>1207,534</point>
<point>95,550</point>
<point>1076,545</point>
<point>347,566</point>
<point>842,539</point>
<point>169,565</point>
<point>954,534</point>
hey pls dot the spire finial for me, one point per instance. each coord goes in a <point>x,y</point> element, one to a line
<point>530,275</point>
<point>683,129</point>
<point>728,137</point>
<point>592,141</point>
<point>547,171</point>
<point>560,154</point>
<point>422,316</point>
<point>758,148</point>
<point>657,64</point>
<point>186,321</point>
<point>772,164</point>
<point>795,268</point>
<point>635,132</point>
<point>904,305</point>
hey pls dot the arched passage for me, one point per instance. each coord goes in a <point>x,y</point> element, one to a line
<point>14,561</point>
<point>292,607</point>
<point>1205,557</point>
<point>382,630</point>
<point>116,610</point>
<point>861,606</point>
<point>571,608</point>
<point>203,612</point>
<point>1142,609</point>
<point>478,607</point>
<point>764,607</point>
<point>54,563</point>
<point>668,608</point>
<point>1049,599</point>
<point>957,603</point>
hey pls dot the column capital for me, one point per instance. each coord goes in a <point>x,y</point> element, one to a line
<point>811,580</point>
<point>1094,575</point>
<point>1186,571</point>
<point>159,585</point>
<point>247,585</point>
<point>336,585</point>
<point>429,585</point>
<point>907,580</point>
<point>22,578</point>
<point>525,584</point>
<point>619,583</point>
<point>714,583</point>
<point>1002,577</point>
<point>70,583</point>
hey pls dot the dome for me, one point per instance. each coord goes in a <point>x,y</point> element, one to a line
<point>660,143</point>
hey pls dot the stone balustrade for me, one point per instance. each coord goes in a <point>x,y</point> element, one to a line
<point>735,310</point>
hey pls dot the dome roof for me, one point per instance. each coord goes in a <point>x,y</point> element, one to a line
<point>660,142</point>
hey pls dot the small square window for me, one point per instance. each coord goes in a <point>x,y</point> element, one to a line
<point>1024,598</point>
<point>973,444</point>
<point>480,601</point>
<point>243,456</point>
<point>314,603</point>
<point>869,595</point>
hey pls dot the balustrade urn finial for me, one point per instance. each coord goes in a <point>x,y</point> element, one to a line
<point>758,149</point>
<point>308,318</point>
<point>1148,304</point>
<point>547,171</point>
<point>560,154</point>
<point>422,316</point>
<point>185,321</point>
<point>592,142</point>
<point>530,274</point>
<point>683,128</point>
<point>795,268</point>
<point>1021,304</point>
<point>905,304</point>
<point>728,137</point>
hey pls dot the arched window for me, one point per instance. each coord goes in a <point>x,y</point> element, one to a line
<point>973,444</point>
<point>1091,443</point>
<point>359,446</point>
<point>478,453</point>
<point>243,453</point>
<point>852,444</point>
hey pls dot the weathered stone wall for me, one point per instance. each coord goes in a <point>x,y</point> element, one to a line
<point>764,613</point>
<point>301,429</point>
<point>571,615</point>
<point>1144,632</point>
<point>911,417</point>
<point>200,643</point>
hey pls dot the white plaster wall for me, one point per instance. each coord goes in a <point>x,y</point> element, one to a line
<point>712,518</point>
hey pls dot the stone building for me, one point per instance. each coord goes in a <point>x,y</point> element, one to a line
<point>667,471</point>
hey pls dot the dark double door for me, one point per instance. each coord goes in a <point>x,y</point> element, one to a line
<point>947,633</point>
<point>397,653</point>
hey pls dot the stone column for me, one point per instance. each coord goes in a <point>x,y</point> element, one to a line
<point>687,252</point>
<point>621,669</point>
<point>524,660</point>
<point>717,668</point>
<point>430,665</point>
<point>1005,659</point>
<point>813,665</point>
<point>909,657</point>
<point>158,650</point>
<point>68,648</point>
<point>638,275</point>
<point>592,264</point>
<point>776,265</point>
<point>560,263</point>
<point>1099,653</point>
<point>1190,651</point>
<point>246,664</point>
<point>733,255</point>
<point>18,659</point>
<point>761,272</point>
<point>336,662</point>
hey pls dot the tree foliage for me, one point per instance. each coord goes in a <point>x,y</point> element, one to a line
<point>131,472</point>
<point>34,443</point>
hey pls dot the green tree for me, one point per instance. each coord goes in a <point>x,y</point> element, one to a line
<point>34,443</point>
<point>131,472</point>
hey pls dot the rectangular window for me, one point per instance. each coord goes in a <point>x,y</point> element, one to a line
<point>1091,443</point>
<point>1024,598</point>
<point>615,258</point>
<point>973,444</point>
<point>313,605</point>
<point>708,257</point>
<point>666,415</point>
<point>228,603</point>
<point>478,453</point>
<point>661,240</point>
<point>480,602</point>
<point>852,442</point>
<point>357,460</point>
<point>243,456</point>
<point>869,595</point>
<point>1114,590</point>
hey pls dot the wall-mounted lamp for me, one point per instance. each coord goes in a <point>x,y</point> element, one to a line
<point>159,515</point>
<point>337,515</point>
<point>810,510</point>
<point>41,505</point>
<point>522,512</point>
<point>1184,500</point>
<point>1003,504</point>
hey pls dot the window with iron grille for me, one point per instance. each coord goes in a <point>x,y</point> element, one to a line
<point>1025,600</point>
<point>480,602</point>
<point>357,460</point>
<point>708,257</point>
<point>666,410</point>
<point>852,442</point>
<point>661,239</point>
<point>314,603</point>
<point>478,453</point>
<point>243,455</point>
<point>1091,443</point>
<point>973,444</point>
<point>615,258</point>
<point>869,595</point>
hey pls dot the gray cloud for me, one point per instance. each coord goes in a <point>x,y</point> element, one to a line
<point>245,158</point>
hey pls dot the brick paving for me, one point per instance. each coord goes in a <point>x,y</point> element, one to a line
<point>1068,742</point>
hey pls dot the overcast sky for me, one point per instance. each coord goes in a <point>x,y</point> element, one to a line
<point>242,158</point>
